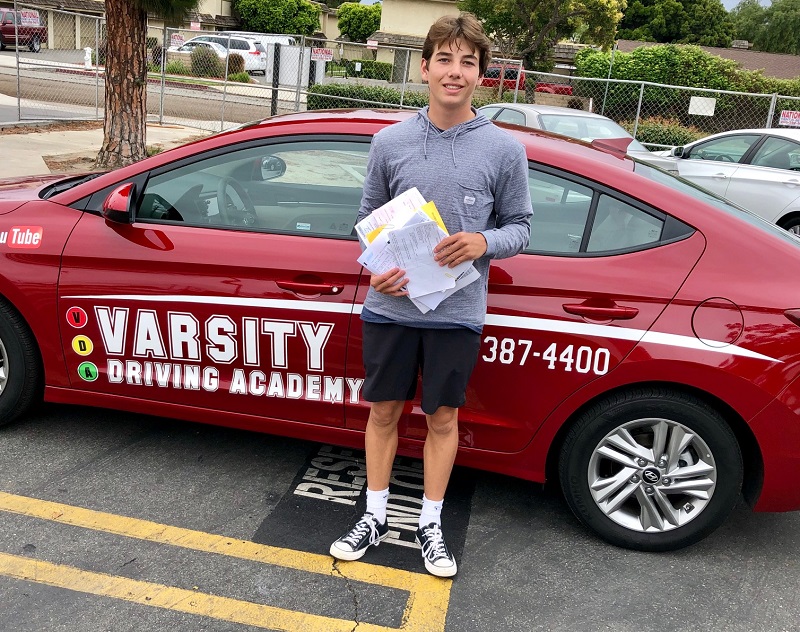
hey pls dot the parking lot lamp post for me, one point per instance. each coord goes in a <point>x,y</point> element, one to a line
<point>608,79</point>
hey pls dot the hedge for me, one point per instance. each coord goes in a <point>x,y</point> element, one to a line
<point>370,69</point>
<point>663,131</point>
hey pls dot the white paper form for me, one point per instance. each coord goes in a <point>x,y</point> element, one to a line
<point>396,212</point>
<point>413,250</point>
<point>378,258</point>
<point>431,301</point>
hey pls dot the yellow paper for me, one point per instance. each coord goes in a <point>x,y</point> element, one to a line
<point>429,208</point>
<point>373,234</point>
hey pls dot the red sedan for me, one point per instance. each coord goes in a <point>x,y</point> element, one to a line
<point>644,349</point>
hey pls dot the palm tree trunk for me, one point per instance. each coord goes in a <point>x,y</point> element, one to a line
<point>126,86</point>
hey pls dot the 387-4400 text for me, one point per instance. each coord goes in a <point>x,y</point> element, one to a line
<point>581,359</point>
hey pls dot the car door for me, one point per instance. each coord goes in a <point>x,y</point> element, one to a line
<point>566,311</point>
<point>232,290</point>
<point>771,180</point>
<point>712,163</point>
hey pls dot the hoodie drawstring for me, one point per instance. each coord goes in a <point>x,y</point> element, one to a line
<point>453,146</point>
<point>456,131</point>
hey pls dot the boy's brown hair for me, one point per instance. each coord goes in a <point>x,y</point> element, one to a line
<point>465,27</point>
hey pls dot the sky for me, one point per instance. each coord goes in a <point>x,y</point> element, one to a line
<point>730,4</point>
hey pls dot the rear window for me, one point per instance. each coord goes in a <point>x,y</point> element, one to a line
<point>587,128</point>
<point>689,188</point>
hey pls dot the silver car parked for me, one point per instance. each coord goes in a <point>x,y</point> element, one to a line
<point>574,123</point>
<point>757,169</point>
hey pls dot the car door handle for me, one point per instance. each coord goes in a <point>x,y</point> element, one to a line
<point>721,176</point>
<point>792,183</point>
<point>601,313</point>
<point>309,288</point>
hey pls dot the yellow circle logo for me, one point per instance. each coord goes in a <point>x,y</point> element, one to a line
<point>82,345</point>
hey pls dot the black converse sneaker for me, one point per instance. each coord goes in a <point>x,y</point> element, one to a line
<point>355,543</point>
<point>438,559</point>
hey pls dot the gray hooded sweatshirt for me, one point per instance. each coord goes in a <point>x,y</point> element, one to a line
<point>477,175</point>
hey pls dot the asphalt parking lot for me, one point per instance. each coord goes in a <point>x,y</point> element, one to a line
<point>121,522</point>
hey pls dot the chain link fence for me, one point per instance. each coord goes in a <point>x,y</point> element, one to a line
<point>216,80</point>
<point>641,106</point>
<point>54,65</point>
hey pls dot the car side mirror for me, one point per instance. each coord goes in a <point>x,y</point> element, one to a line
<point>118,206</point>
<point>677,152</point>
<point>272,167</point>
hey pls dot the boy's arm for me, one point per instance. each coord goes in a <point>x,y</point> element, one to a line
<point>512,205</point>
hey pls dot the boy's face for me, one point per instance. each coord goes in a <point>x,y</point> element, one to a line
<point>452,75</point>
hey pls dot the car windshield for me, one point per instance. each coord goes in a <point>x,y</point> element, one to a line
<point>587,128</point>
<point>689,188</point>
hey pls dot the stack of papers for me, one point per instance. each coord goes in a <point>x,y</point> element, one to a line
<point>402,234</point>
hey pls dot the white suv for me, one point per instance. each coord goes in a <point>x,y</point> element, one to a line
<point>254,53</point>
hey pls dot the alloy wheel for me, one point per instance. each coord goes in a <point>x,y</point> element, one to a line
<point>652,475</point>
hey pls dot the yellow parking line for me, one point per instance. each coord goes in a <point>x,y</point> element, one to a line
<point>425,609</point>
<point>158,596</point>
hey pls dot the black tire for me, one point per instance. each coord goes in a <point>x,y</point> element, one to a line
<point>20,366</point>
<point>627,502</point>
<point>792,225</point>
<point>36,44</point>
<point>2,44</point>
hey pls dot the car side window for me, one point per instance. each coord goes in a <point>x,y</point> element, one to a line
<point>510,116</point>
<point>618,226</point>
<point>489,112</point>
<point>728,149</point>
<point>560,211</point>
<point>778,153</point>
<point>309,188</point>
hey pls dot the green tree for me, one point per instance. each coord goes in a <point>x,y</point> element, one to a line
<point>529,28</point>
<point>296,17</point>
<point>703,22</point>
<point>359,21</point>
<point>749,20</point>
<point>781,28</point>
<point>124,125</point>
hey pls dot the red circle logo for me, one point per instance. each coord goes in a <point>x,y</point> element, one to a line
<point>76,317</point>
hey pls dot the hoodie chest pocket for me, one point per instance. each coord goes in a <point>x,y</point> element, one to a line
<point>476,200</point>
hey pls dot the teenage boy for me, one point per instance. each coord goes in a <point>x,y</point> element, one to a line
<point>477,175</point>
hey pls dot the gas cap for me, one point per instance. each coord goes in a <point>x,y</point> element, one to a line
<point>718,322</point>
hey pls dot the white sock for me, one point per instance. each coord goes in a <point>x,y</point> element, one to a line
<point>376,503</point>
<point>431,511</point>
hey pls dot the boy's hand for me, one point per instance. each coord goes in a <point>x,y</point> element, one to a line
<point>459,248</point>
<point>392,282</point>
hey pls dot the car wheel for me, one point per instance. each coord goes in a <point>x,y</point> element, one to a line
<point>36,44</point>
<point>651,469</point>
<point>20,366</point>
<point>2,44</point>
<point>792,225</point>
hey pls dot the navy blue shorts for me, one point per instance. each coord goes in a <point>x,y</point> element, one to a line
<point>395,355</point>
